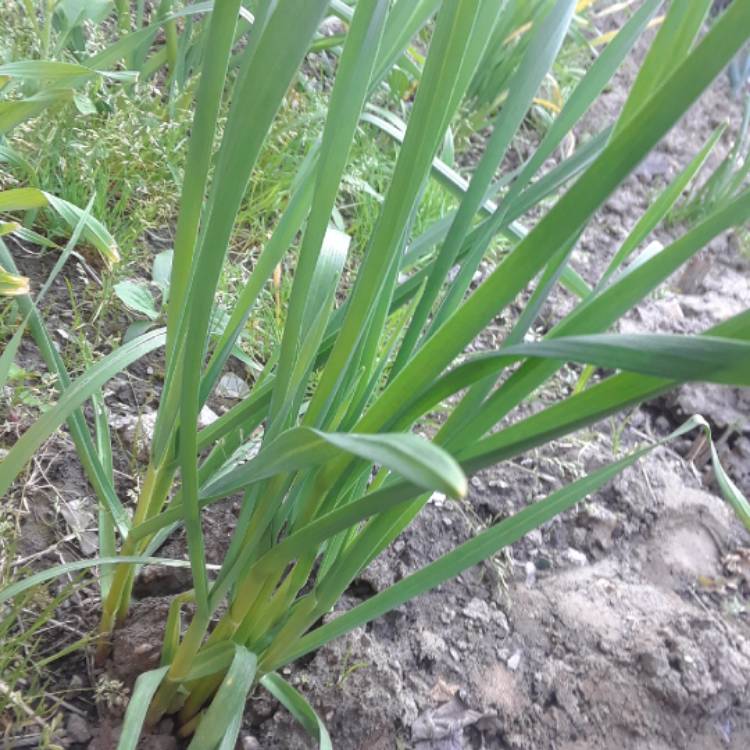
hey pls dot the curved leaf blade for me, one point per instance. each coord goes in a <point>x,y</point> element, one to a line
<point>79,391</point>
<point>298,706</point>
<point>411,456</point>
<point>228,702</point>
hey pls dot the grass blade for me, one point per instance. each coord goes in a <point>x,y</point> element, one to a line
<point>660,207</point>
<point>229,702</point>
<point>48,574</point>
<point>673,41</point>
<point>295,703</point>
<point>143,691</point>
<point>79,391</point>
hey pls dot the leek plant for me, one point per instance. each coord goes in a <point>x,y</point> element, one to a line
<point>323,451</point>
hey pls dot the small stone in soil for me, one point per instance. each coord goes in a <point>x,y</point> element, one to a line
<point>232,386</point>
<point>248,742</point>
<point>77,729</point>
<point>447,616</point>
<point>503,622</point>
<point>207,416</point>
<point>478,609</point>
<point>514,662</point>
<point>654,663</point>
<point>530,570</point>
<point>575,557</point>
<point>535,537</point>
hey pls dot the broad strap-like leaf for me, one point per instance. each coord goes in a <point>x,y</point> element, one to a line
<point>24,199</point>
<point>58,72</point>
<point>48,574</point>
<point>683,358</point>
<point>673,41</point>
<point>410,456</point>
<point>143,691</point>
<point>347,99</point>
<point>297,705</point>
<point>258,94</point>
<point>228,703</point>
<point>612,395</point>
<point>675,357</point>
<point>586,92</point>
<point>599,312</point>
<point>429,118</point>
<point>220,37</point>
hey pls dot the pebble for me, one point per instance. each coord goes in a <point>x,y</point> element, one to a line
<point>232,386</point>
<point>138,431</point>
<point>447,616</point>
<point>249,742</point>
<point>654,664</point>
<point>515,661</point>
<point>655,164</point>
<point>478,609</point>
<point>535,537</point>
<point>77,729</point>
<point>530,570</point>
<point>575,557</point>
<point>499,484</point>
<point>332,25</point>
<point>578,536</point>
<point>207,416</point>
<point>502,621</point>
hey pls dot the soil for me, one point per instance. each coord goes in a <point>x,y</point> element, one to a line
<point>624,623</point>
